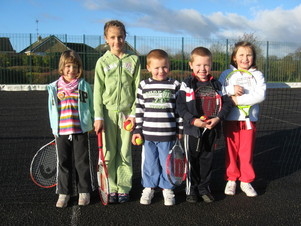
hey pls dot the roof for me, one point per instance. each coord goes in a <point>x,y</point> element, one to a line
<point>53,44</point>
<point>5,45</point>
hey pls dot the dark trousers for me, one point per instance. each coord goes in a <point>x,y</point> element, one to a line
<point>73,163</point>
<point>200,156</point>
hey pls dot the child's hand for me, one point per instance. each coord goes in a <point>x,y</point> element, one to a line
<point>211,123</point>
<point>98,126</point>
<point>238,90</point>
<point>134,137</point>
<point>180,136</point>
<point>199,123</point>
<point>133,121</point>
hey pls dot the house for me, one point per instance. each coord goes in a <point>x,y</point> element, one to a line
<point>6,46</point>
<point>52,44</point>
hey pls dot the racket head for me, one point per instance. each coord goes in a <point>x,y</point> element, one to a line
<point>176,165</point>
<point>103,182</point>
<point>43,167</point>
<point>208,101</point>
<point>102,173</point>
<point>248,82</point>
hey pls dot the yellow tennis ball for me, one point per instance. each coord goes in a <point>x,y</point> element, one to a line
<point>204,118</point>
<point>139,141</point>
<point>128,125</point>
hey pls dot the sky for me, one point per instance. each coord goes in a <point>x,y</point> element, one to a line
<point>267,20</point>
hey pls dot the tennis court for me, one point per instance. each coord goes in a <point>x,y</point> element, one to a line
<point>24,127</point>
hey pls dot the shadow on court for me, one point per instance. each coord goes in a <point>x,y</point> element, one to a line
<point>24,127</point>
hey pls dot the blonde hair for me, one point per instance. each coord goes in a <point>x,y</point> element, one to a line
<point>156,54</point>
<point>114,23</point>
<point>70,56</point>
<point>200,51</point>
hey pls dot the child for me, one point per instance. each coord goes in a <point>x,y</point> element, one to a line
<point>71,118</point>
<point>240,141</point>
<point>159,125</point>
<point>117,76</point>
<point>198,145</point>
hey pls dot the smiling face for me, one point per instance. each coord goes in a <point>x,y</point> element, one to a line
<point>159,68</point>
<point>201,66</point>
<point>70,71</point>
<point>244,58</point>
<point>115,38</point>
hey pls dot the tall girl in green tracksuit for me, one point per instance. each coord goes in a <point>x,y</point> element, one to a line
<point>117,76</point>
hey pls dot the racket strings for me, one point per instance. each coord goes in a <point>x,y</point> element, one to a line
<point>208,101</point>
<point>43,167</point>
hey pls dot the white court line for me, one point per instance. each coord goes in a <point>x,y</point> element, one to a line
<point>286,109</point>
<point>75,215</point>
<point>280,120</point>
<point>260,153</point>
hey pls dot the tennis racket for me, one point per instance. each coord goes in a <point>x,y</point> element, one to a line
<point>246,81</point>
<point>209,103</point>
<point>176,164</point>
<point>102,173</point>
<point>43,166</point>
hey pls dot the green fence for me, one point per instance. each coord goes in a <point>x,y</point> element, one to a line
<point>32,59</point>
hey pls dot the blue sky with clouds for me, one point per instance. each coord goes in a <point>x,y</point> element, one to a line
<point>273,20</point>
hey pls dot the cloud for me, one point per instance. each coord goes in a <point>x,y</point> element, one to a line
<point>276,24</point>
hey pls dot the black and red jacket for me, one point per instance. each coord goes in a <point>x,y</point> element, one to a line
<point>186,103</point>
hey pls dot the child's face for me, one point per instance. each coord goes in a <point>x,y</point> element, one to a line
<point>159,69</point>
<point>201,67</point>
<point>244,58</point>
<point>70,71</point>
<point>115,38</point>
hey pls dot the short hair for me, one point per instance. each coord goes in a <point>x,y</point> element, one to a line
<point>70,56</point>
<point>243,44</point>
<point>156,54</point>
<point>200,51</point>
<point>114,23</point>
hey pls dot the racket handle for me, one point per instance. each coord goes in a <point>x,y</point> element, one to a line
<point>248,124</point>
<point>99,139</point>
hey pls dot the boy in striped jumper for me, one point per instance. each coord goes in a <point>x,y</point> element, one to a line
<point>70,105</point>
<point>158,124</point>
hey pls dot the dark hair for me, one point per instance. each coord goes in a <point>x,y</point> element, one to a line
<point>70,56</point>
<point>200,51</point>
<point>157,54</point>
<point>243,44</point>
<point>115,23</point>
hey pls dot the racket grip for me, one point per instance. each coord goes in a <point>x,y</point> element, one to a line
<point>248,124</point>
<point>99,139</point>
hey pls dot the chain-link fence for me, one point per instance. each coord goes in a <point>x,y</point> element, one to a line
<point>32,59</point>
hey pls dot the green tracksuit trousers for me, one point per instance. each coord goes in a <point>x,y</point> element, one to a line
<point>118,153</point>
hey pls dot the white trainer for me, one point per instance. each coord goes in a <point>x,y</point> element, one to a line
<point>169,197</point>
<point>147,195</point>
<point>62,201</point>
<point>248,189</point>
<point>230,187</point>
<point>84,199</point>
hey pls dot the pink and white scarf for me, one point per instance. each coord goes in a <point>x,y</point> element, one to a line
<point>67,88</point>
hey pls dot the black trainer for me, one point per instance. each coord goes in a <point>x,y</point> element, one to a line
<point>192,198</point>
<point>208,198</point>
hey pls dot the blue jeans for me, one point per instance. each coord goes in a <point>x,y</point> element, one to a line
<point>153,164</point>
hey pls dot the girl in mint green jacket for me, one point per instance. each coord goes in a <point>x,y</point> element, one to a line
<point>117,76</point>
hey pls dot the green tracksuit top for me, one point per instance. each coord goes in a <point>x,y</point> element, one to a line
<point>115,83</point>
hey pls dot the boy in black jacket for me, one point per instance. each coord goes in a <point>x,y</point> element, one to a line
<point>199,145</point>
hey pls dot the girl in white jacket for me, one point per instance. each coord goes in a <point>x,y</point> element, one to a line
<point>239,138</point>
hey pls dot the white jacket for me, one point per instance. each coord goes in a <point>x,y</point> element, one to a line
<point>254,94</point>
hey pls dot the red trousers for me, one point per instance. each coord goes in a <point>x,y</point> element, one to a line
<point>239,155</point>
